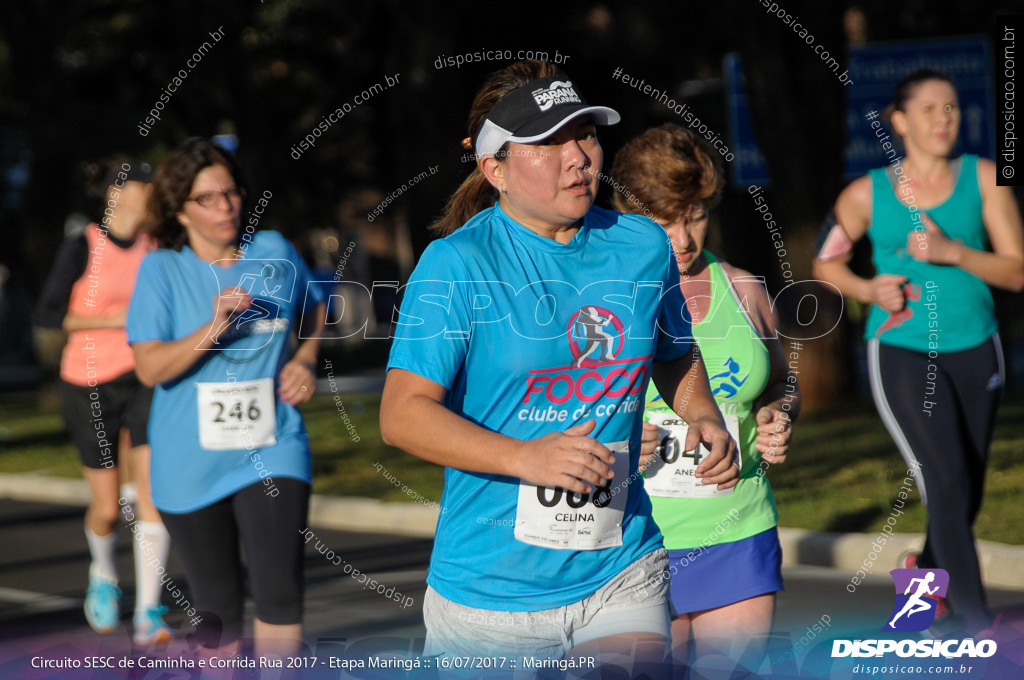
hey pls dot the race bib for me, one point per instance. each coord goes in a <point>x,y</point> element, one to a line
<point>237,415</point>
<point>672,472</point>
<point>564,520</point>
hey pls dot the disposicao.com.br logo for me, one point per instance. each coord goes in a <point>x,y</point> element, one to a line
<point>949,649</point>
<point>917,593</point>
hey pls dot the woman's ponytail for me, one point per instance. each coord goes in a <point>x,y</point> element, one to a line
<point>476,193</point>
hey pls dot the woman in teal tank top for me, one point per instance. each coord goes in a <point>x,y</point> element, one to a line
<point>724,554</point>
<point>941,232</point>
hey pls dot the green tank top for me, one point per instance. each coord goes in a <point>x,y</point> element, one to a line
<point>948,309</point>
<point>738,368</point>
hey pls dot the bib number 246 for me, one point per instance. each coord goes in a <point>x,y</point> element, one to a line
<point>236,411</point>
<point>236,415</point>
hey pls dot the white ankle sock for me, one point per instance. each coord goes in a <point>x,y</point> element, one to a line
<point>128,492</point>
<point>157,542</point>
<point>104,555</point>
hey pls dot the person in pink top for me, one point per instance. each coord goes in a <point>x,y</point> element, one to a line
<point>87,295</point>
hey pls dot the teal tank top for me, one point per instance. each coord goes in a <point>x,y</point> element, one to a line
<point>738,366</point>
<point>948,309</point>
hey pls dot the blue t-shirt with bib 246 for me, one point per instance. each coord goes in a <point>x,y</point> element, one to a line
<point>220,426</point>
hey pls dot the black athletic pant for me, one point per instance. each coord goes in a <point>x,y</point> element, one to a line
<point>941,412</point>
<point>270,530</point>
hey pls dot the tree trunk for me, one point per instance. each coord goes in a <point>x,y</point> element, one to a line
<point>799,111</point>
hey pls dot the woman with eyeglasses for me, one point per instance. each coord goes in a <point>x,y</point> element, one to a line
<point>210,323</point>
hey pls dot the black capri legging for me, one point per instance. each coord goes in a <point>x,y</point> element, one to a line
<point>270,530</point>
<point>941,412</point>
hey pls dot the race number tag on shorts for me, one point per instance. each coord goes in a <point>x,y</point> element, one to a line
<point>237,415</point>
<point>672,472</point>
<point>565,520</point>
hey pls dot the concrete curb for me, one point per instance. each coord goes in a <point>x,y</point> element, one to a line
<point>1001,565</point>
<point>32,487</point>
<point>368,514</point>
<point>329,512</point>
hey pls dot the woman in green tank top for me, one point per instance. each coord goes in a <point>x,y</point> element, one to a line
<point>941,232</point>
<point>724,554</point>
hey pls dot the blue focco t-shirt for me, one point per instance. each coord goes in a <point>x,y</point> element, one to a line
<point>529,337</point>
<point>220,426</point>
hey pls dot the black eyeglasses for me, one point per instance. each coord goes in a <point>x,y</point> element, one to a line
<point>211,199</point>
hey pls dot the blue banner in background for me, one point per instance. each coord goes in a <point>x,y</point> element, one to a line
<point>875,69</point>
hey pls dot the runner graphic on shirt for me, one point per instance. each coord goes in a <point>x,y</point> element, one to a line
<point>264,303</point>
<point>593,332</point>
<point>728,382</point>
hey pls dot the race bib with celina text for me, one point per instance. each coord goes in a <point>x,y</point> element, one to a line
<point>564,520</point>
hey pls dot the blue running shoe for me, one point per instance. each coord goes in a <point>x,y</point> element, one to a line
<point>150,627</point>
<point>102,605</point>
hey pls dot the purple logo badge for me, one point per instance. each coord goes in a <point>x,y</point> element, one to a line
<point>917,593</point>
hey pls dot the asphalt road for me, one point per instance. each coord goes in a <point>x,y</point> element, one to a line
<point>43,576</point>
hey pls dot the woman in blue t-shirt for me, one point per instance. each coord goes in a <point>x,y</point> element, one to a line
<point>210,323</point>
<point>525,342</point>
<point>941,232</point>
